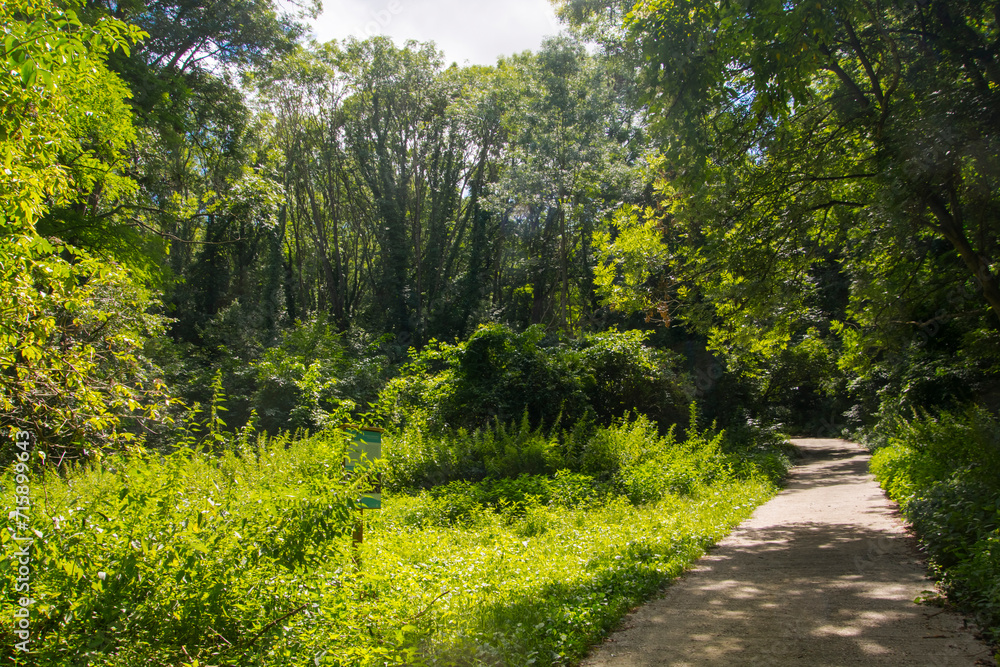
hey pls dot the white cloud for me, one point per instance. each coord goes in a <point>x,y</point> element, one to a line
<point>476,31</point>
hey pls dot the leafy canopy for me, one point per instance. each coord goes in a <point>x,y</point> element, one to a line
<point>72,325</point>
<point>816,147</point>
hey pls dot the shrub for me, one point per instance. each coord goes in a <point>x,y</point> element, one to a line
<point>517,450</point>
<point>497,375</point>
<point>629,454</point>
<point>952,516</point>
<point>626,375</point>
<point>945,472</point>
<point>416,458</point>
<point>180,550</point>
<point>894,466</point>
<point>570,489</point>
<point>296,379</point>
<point>420,457</point>
<point>651,467</point>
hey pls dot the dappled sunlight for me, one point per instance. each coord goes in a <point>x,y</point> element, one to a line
<point>806,580</point>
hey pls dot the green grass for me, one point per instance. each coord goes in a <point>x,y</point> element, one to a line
<point>539,584</point>
<point>246,558</point>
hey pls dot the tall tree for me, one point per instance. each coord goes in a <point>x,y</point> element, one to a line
<point>387,161</point>
<point>572,160</point>
<point>328,235</point>
<point>189,38</point>
<point>394,98</point>
<point>800,135</point>
<point>194,158</point>
<point>72,326</point>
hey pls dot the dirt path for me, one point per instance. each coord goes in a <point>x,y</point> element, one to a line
<point>823,574</point>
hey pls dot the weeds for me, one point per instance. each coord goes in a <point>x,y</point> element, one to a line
<point>245,557</point>
<point>945,472</point>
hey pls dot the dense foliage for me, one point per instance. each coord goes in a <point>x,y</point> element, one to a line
<point>945,472</point>
<point>71,368</point>
<point>785,211</point>
<point>245,557</point>
<point>499,374</point>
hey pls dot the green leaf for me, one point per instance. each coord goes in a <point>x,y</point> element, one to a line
<point>28,72</point>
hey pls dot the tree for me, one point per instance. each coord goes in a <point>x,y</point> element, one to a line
<point>72,325</point>
<point>572,160</point>
<point>386,162</point>
<point>190,38</point>
<point>326,238</point>
<point>801,137</point>
<point>198,216</point>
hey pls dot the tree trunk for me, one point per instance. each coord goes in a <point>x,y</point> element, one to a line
<point>950,226</point>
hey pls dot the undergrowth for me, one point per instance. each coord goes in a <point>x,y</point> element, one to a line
<point>945,472</point>
<point>245,557</point>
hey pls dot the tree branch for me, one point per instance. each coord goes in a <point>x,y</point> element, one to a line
<point>858,49</point>
<point>844,77</point>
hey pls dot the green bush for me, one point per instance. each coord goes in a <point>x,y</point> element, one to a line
<point>314,376</point>
<point>621,446</point>
<point>570,489</point>
<point>183,550</point>
<point>976,579</point>
<point>416,458</point>
<point>629,454</point>
<point>498,375</point>
<point>306,376</point>
<point>648,467</point>
<point>895,466</point>
<point>952,516</point>
<point>624,375</point>
<point>420,457</point>
<point>459,502</point>
<point>945,472</point>
<point>297,378</point>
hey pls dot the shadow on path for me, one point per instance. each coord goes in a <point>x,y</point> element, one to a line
<point>823,574</point>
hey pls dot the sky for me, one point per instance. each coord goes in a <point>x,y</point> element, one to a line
<point>468,31</point>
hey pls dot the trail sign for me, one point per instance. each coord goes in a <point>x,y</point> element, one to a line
<point>365,449</point>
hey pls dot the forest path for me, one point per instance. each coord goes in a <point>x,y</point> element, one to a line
<point>823,574</point>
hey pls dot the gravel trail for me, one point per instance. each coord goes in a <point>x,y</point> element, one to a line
<point>823,574</point>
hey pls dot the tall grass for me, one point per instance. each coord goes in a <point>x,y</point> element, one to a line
<point>246,557</point>
<point>539,584</point>
<point>191,549</point>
